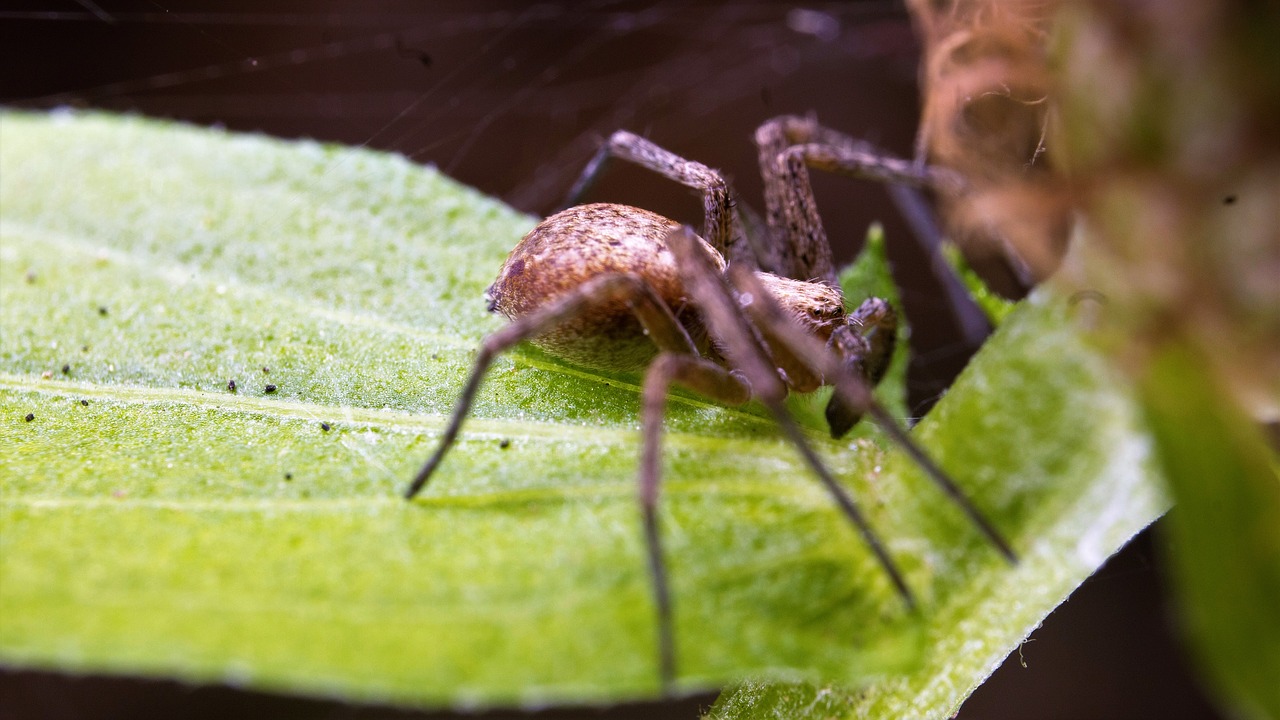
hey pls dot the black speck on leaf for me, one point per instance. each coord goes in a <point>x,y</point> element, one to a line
<point>288,476</point>
<point>269,389</point>
<point>66,369</point>
<point>30,417</point>
<point>84,403</point>
<point>265,369</point>
<point>504,443</point>
<point>324,426</point>
<point>231,385</point>
<point>102,310</point>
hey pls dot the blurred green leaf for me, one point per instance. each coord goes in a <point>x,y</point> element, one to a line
<point>995,307</point>
<point>1223,534</point>
<point>172,526</point>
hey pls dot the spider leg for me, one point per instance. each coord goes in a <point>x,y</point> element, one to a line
<point>787,146</point>
<point>800,248</point>
<point>879,327</point>
<point>727,323</point>
<point>677,363</point>
<point>872,165</point>
<point>654,315</point>
<point>717,198</point>
<point>707,379</point>
<point>865,347</point>
<point>856,394</point>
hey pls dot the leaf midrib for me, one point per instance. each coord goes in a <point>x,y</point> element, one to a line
<point>396,420</point>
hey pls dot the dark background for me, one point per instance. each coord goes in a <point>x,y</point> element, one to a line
<point>513,98</point>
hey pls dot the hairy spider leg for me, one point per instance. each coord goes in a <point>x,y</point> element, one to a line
<point>677,363</point>
<point>786,147</point>
<point>663,328</point>
<point>714,382</point>
<point>787,178</point>
<point>865,346</point>
<point>726,323</point>
<point>877,325</point>
<point>764,312</point>
<point>799,247</point>
<point>905,179</point>
<point>717,197</point>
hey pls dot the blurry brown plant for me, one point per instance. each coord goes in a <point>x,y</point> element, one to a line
<point>987,113</point>
<point>1171,125</point>
<point>1147,132</point>
<point>1152,126</point>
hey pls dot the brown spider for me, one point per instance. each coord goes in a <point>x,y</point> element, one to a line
<point>619,288</point>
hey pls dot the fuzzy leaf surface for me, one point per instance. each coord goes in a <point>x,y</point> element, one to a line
<point>174,527</point>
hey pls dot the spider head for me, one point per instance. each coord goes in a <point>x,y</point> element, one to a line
<point>816,307</point>
<point>862,340</point>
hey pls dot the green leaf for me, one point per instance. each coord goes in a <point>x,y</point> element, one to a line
<point>1038,414</point>
<point>1224,535</point>
<point>174,527</point>
<point>995,307</point>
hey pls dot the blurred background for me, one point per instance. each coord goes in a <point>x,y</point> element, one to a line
<point>512,99</point>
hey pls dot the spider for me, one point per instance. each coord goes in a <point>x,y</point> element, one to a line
<point>616,287</point>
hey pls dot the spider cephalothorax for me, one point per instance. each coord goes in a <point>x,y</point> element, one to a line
<point>620,288</point>
<point>586,241</point>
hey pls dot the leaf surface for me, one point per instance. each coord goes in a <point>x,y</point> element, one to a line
<point>172,526</point>
<point>1039,414</point>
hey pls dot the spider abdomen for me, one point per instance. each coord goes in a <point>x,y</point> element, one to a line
<point>577,245</point>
